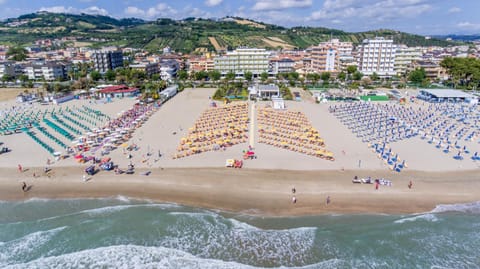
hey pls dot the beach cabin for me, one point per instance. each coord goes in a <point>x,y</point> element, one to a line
<point>264,91</point>
<point>169,92</point>
<point>118,91</point>
<point>278,103</point>
<point>62,99</point>
<point>446,95</point>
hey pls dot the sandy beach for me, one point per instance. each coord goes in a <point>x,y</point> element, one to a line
<point>263,186</point>
<point>255,191</point>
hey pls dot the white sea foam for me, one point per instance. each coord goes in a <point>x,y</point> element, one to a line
<point>122,198</point>
<point>116,208</point>
<point>130,256</point>
<point>426,217</point>
<point>208,234</point>
<point>471,208</point>
<point>20,246</point>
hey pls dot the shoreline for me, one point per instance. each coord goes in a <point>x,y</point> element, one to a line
<point>257,192</point>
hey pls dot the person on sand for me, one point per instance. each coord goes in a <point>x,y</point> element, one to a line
<point>410,184</point>
<point>328,200</point>
<point>376,185</point>
<point>24,187</point>
<point>294,190</point>
<point>20,168</point>
<point>294,200</point>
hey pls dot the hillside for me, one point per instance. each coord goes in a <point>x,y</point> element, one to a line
<point>187,35</point>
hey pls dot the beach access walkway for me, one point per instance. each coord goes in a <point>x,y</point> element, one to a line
<point>252,125</point>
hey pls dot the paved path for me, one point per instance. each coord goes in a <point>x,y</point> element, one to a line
<point>252,125</point>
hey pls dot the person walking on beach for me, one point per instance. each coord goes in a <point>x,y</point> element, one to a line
<point>294,200</point>
<point>376,185</point>
<point>24,187</point>
<point>294,190</point>
<point>410,184</point>
<point>328,200</point>
<point>20,168</point>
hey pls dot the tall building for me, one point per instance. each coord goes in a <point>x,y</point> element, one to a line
<point>243,60</point>
<point>197,64</point>
<point>331,56</point>
<point>107,60</point>
<point>405,56</point>
<point>377,56</point>
<point>48,71</point>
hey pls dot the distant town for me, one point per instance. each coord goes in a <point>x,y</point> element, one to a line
<point>377,62</point>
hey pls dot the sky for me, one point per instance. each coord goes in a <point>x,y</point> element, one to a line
<point>426,17</point>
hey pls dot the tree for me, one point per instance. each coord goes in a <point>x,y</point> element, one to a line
<point>248,75</point>
<point>313,77</point>
<point>264,76</point>
<point>214,75</point>
<point>23,78</point>
<point>201,75</point>
<point>95,75</point>
<point>17,53</point>
<point>7,77</point>
<point>325,76</point>
<point>293,76</point>
<point>463,71</point>
<point>351,69</point>
<point>230,76</point>
<point>182,75</point>
<point>357,75</point>
<point>342,76</point>
<point>374,76</point>
<point>110,75</point>
<point>417,75</point>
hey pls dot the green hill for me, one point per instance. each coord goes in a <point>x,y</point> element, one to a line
<point>185,35</point>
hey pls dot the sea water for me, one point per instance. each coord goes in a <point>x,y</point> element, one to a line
<point>126,233</point>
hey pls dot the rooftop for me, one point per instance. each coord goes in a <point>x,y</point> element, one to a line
<point>447,93</point>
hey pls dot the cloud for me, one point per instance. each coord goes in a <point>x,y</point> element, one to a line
<point>212,3</point>
<point>160,10</point>
<point>134,11</point>
<point>265,5</point>
<point>59,9</point>
<point>377,10</point>
<point>454,10</point>
<point>3,1</point>
<point>93,10</point>
<point>469,26</point>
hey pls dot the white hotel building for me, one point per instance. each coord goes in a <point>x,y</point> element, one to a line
<point>243,60</point>
<point>377,56</point>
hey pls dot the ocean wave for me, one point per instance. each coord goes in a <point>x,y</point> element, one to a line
<point>471,208</point>
<point>207,234</point>
<point>132,256</point>
<point>426,217</point>
<point>12,250</point>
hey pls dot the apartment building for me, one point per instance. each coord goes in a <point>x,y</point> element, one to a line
<point>284,65</point>
<point>377,56</point>
<point>200,63</point>
<point>243,60</point>
<point>148,68</point>
<point>49,70</point>
<point>10,69</point>
<point>332,56</point>
<point>107,60</point>
<point>433,70</point>
<point>404,56</point>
